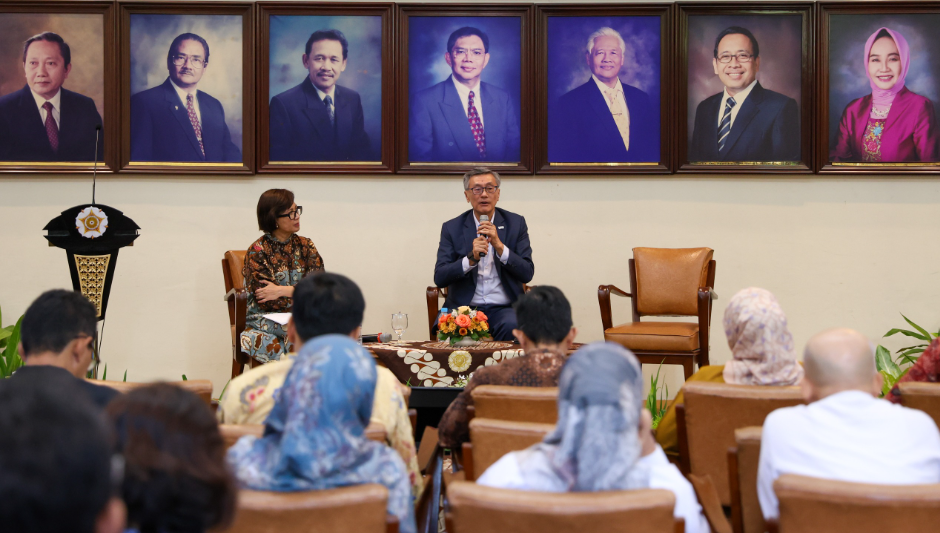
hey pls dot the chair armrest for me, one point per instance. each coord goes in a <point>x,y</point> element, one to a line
<point>391,523</point>
<point>432,295</point>
<point>772,526</point>
<point>711,504</point>
<point>468,461</point>
<point>603,300</point>
<point>684,463</point>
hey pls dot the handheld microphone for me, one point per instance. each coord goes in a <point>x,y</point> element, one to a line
<point>375,337</point>
<point>483,218</point>
<point>94,177</point>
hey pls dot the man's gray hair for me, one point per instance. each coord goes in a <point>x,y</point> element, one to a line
<point>606,32</point>
<point>479,171</point>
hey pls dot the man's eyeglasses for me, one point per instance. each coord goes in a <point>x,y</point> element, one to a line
<point>475,53</point>
<point>196,61</point>
<point>293,215</point>
<point>490,189</point>
<point>742,57</point>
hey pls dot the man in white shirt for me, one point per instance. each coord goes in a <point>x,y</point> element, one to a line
<point>446,120</point>
<point>485,264</point>
<point>845,432</point>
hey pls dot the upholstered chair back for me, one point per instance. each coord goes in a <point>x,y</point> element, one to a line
<point>359,508</point>
<point>668,279</point>
<point>516,404</point>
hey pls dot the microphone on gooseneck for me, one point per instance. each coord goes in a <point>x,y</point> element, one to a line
<point>483,218</point>
<point>375,337</point>
<point>94,177</point>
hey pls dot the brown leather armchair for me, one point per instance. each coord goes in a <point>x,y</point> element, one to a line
<point>810,505</point>
<point>359,508</point>
<point>707,420</point>
<point>665,282</point>
<point>236,295</point>
<point>201,387</point>
<point>516,404</point>
<point>478,509</point>
<point>492,439</point>
<point>433,296</point>
<point>743,459</point>
<point>922,395</point>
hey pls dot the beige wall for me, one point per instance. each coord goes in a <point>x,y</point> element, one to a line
<point>836,252</point>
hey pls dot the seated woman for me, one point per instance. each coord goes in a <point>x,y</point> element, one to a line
<point>892,124</point>
<point>273,265</point>
<point>927,368</point>
<point>314,437</point>
<point>603,439</point>
<point>175,476</point>
<point>762,351</point>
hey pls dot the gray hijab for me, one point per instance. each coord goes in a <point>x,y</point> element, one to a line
<point>596,443</point>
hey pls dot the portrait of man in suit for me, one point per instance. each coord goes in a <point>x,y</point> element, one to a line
<point>177,122</point>
<point>604,119</point>
<point>463,118</point>
<point>319,120</point>
<point>44,121</point>
<point>744,122</point>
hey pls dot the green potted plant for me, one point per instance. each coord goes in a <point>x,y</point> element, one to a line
<point>894,368</point>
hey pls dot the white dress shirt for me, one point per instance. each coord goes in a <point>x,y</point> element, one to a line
<point>182,94</point>
<point>848,436</point>
<point>738,102</point>
<point>507,474</point>
<point>56,113</point>
<point>464,92</point>
<point>489,289</point>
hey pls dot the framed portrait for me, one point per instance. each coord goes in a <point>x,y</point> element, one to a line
<point>465,88</point>
<point>745,88</point>
<point>57,94</point>
<point>187,76</point>
<point>605,91</point>
<point>326,92</point>
<point>878,91</point>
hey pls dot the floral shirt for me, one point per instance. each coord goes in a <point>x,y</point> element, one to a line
<point>871,140</point>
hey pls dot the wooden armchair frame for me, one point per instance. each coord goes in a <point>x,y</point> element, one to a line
<point>237,300</point>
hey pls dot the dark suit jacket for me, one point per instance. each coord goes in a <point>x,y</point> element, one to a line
<point>767,128</point>
<point>161,130</point>
<point>301,131</point>
<point>43,375</point>
<point>581,128</point>
<point>438,128</point>
<point>23,135</point>
<point>456,242</point>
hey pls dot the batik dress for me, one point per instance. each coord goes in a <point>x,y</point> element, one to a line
<point>282,263</point>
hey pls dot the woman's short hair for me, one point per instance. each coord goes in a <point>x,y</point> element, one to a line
<point>176,478</point>
<point>273,202</point>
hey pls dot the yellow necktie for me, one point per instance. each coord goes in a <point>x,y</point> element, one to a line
<point>620,116</point>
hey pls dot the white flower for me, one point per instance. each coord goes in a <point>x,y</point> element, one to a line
<point>473,314</point>
<point>91,222</point>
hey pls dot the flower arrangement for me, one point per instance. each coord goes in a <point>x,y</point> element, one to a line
<point>463,323</point>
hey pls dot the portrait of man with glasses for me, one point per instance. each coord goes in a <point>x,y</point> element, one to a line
<point>463,118</point>
<point>744,122</point>
<point>177,122</point>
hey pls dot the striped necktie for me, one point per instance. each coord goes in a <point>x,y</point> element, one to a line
<point>725,127</point>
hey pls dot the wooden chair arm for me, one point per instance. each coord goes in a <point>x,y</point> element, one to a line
<point>734,484</point>
<point>468,462</point>
<point>705,297</point>
<point>603,300</point>
<point>237,300</point>
<point>772,526</point>
<point>711,504</point>
<point>685,465</point>
<point>391,523</point>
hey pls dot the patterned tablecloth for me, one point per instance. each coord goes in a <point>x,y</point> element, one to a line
<point>437,363</point>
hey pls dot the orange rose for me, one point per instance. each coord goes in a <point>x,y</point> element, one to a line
<point>443,319</point>
<point>463,321</point>
<point>463,332</point>
<point>481,317</point>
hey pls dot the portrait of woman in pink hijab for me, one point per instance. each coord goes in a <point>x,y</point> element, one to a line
<point>892,124</point>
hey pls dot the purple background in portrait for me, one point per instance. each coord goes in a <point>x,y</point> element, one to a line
<point>780,38</point>
<point>151,36</point>
<point>363,72</point>
<point>427,43</point>
<point>848,79</point>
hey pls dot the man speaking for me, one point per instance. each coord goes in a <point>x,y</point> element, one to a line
<point>483,264</point>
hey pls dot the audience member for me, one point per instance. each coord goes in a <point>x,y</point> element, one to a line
<point>176,478</point>
<point>927,368</point>
<point>57,339</point>
<point>602,441</point>
<point>840,434</point>
<point>314,437</point>
<point>56,469</point>
<point>761,349</point>
<point>545,334</point>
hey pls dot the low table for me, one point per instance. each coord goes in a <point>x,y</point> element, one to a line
<point>437,363</point>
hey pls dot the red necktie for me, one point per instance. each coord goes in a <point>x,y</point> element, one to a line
<point>476,126</point>
<point>52,130</point>
<point>194,120</point>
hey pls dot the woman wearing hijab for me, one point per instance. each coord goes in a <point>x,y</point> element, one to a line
<point>927,368</point>
<point>892,124</point>
<point>761,348</point>
<point>602,440</point>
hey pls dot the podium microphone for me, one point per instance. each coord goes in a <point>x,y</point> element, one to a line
<point>94,177</point>
<point>483,218</point>
<point>375,337</point>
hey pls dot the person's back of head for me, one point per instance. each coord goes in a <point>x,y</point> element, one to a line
<point>59,329</point>
<point>543,316</point>
<point>55,461</point>
<point>176,478</point>
<point>838,360</point>
<point>326,303</point>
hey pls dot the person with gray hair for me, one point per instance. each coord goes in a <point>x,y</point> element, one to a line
<point>484,263</point>
<point>603,440</point>
<point>840,433</point>
<point>604,120</point>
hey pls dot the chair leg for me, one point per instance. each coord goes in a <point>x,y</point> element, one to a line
<point>688,367</point>
<point>236,368</point>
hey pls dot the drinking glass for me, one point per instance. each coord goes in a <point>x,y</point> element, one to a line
<point>399,324</point>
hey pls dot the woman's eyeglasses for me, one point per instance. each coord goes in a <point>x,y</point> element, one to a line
<point>293,215</point>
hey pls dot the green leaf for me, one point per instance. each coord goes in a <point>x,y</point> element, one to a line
<point>10,355</point>
<point>907,360</point>
<point>5,333</point>
<point>222,394</point>
<point>918,328</point>
<point>125,378</point>
<point>908,333</point>
<point>884,362</point>
<point>185,378</point>
<point>889,382</point>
